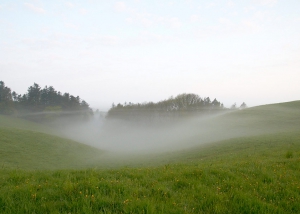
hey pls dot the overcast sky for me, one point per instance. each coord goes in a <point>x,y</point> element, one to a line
<point>115,51</point>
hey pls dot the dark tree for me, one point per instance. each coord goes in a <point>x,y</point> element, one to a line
<point>183,105</point>
<point>6,100</point>
<point>38,100</point>
<point>243,105</point>
<point>34,97</point>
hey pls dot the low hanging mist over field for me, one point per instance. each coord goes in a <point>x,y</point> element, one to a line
<point>122,136</point>
<point>173,124</point>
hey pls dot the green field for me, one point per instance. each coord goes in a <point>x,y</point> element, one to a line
<point>246,161</point>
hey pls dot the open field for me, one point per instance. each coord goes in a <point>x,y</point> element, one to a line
<point>247,175</point>
<point>256,172</point>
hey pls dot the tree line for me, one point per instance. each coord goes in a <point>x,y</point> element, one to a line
<point>183,105</point>
<point>45,100</point>
<point>47,103</point>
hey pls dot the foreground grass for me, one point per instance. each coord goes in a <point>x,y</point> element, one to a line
<point>246,175</point>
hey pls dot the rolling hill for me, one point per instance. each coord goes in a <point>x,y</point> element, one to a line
<point>253,169</point>
<point>29,145</point>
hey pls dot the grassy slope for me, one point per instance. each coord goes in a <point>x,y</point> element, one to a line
<point>13,122</point>
<point>25,149</point>
<point>254,121</point>
<point>268,118</point>
<point>257,174</point>
<point>246,175</point>
<point>28,145</point>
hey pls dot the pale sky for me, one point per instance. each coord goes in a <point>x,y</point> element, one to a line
<point>134,51</point>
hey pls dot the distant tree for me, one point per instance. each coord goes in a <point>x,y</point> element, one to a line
<point>119,105</point>
<point>207,101</point>
<point>233,106</point>
<point>174,107</point>
<point>6,100</point>
<point>74,102</point>
<point>243,105</point>
<point>14,96</point>
<point>50,97</point>
<point>5,93</point>
<point>41,100</point>
<point>84,105</point>
<point>65,101</point>
<point>216,103</point>
<point>34,97</point>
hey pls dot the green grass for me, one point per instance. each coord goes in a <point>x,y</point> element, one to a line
<point>24,149</point>
<point>17,123</point>
<point>255,171</point>
<point>247,175</point>
<point>267,119</point>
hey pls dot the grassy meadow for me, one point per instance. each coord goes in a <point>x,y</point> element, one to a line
<point>24,149</point>
<point>256,169</point>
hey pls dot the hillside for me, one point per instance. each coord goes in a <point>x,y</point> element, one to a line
<point>38,149</point>
<point>17,123</point>
<point>25,149</point>
<point>255,173</point>
<point>266,119</point>
<point>245,175</point>
<point>194,131</point>
<point>29,145</point>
